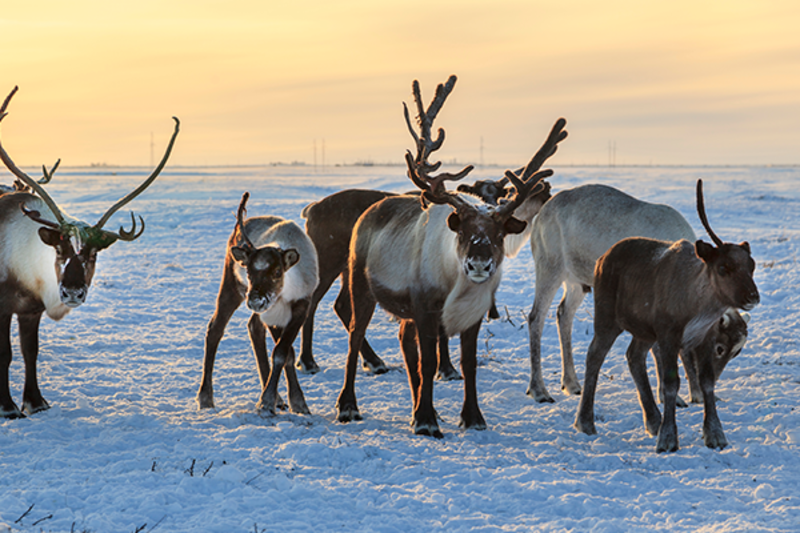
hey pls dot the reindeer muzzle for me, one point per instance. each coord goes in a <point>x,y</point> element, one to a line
<point>72,297</point>
<point>479,270</point>
<point>258,304</point>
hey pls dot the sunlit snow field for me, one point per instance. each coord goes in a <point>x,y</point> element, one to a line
<point>124,447</point>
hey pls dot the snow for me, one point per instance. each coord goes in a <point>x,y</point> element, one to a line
<point>124,447</point>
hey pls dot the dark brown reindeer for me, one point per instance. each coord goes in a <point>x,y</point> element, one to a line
<point>47,262</point>
<point>329,224</point>
<point>668,296</point>
<point>271,263</point>
<point>433,266</point>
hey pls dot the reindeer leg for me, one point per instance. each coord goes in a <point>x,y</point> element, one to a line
<point>688,358</point>
<point>679,402</point>
<point>713,435</point>
<point>425,422</point>
<point>669,346</point>
<point>343,308</point>
<point>573,296</point>
<point>306,363</point>
<point>32,400</point>
<point>8,409</point>
<point>547,282</point>
<point>604,338</point>
<point>258,339</point>
<point>637,364</point>
<point>228,300</point>
<point>355,283</point>
<point>284,353</point>
<point>408,345</point>
<point>447,371</point>
<point>471,416</point>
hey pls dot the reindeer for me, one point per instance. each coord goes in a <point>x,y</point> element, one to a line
<point>668,296</point>
<point>47,262</point>
<point>433,266</point>
<point>329,224</point>
<point>272,263</point>
<point>570,233</point>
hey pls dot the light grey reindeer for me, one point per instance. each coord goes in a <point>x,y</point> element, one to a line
<point>668,296</point>
<point>572,230</point>
<point>433,266</point>
<point>271,263</point>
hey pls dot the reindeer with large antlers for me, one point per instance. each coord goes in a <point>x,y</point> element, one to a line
<point>433,261</point>
<point>47,262</point>
<point>669,296</point>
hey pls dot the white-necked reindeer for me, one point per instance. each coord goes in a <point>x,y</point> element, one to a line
<point>434,267</point>
<point>47,262</point>
<point>329,224</point>
<point>573,229</point>
<point>272,264</point>
<point>668,296</point>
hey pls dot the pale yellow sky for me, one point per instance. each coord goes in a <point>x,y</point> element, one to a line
<point>679,82</point>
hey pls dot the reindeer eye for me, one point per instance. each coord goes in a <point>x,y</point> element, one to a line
<point>720,349</point>
<point>723,270</point>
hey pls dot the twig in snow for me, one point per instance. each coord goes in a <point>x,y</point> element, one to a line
<point>254,478</point>
<point>18,520</point>
<point>140,528</point>
<point>48,517</point>
<point>190,470</point>
<point>157,523</point>
<point>207,469</point>
<point>153,468</point>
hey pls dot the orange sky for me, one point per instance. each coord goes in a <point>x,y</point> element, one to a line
<point>712,82</point>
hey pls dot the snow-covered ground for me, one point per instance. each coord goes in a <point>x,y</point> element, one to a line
<point>124,447</point>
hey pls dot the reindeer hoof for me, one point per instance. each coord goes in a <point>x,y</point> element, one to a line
<point>377,367</point>
<point>310,368</point>
<point>428,430</point>
<point>667,443</point>
<point>448,374</point>
<point>205,399</point>
<point>12,413</point>
<point>35,407</point>
<point>571,388</point>
<point>477,425</point>
<point>348,414</point>
<point>540,396</point>
<point>585,427</point>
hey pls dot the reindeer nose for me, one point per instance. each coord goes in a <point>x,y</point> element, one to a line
<point>258,304</point>
<point>478,270</point>
<point>72,297</point>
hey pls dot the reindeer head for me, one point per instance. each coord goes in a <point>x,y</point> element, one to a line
<point>730,333</point>
<point>265,266</point>
<point>730,266</point>
<point>76,242</point>
<point>480,228</point>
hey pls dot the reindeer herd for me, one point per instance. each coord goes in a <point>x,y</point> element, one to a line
<point>433,259</point>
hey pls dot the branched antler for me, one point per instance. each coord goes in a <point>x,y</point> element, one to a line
<point>419,168</point>
<point>527,181</point>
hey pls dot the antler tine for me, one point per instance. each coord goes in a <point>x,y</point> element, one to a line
<point>701,210</point>
<point>47,176</point>
<point>36,216</point>
<point>131,235</point>
<point>30,182</point>
<point>557,134</point>
<point>136,192</point>
<point>240,220</point>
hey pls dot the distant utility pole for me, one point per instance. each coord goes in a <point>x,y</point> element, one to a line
<point>323,154</point>
<point>481,151</point>
<point>612,153</point>
<point>152,150</point>
<point>315,155</point>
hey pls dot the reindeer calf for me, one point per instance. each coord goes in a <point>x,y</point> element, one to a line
<point>272,263</point>
<point>669,296</point>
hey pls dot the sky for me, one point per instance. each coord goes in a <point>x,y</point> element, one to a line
<point>259,82</point>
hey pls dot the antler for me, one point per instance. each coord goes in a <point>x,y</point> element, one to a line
<point>701,210</point>
<point>419,168</point>
<point>131,235</point>
<point>529,181</point>
<point>240,221</point>
<point>27,180</point>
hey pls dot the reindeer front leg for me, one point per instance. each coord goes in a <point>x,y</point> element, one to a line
<point>283,355</point>
<point>32,400</point>
<point>713,435</point>
<point>669,346</point>
<point>425,422</point>
<point>8,409</point>
<point>471,416</point>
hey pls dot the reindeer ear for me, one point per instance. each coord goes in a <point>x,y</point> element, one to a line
<point>290,258</point>
<point>705,251</point>
<point>49,236</point>
<point>454,221</point>
<point>745,245</point>
<point>240,254</point>
<point>514,225</point>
